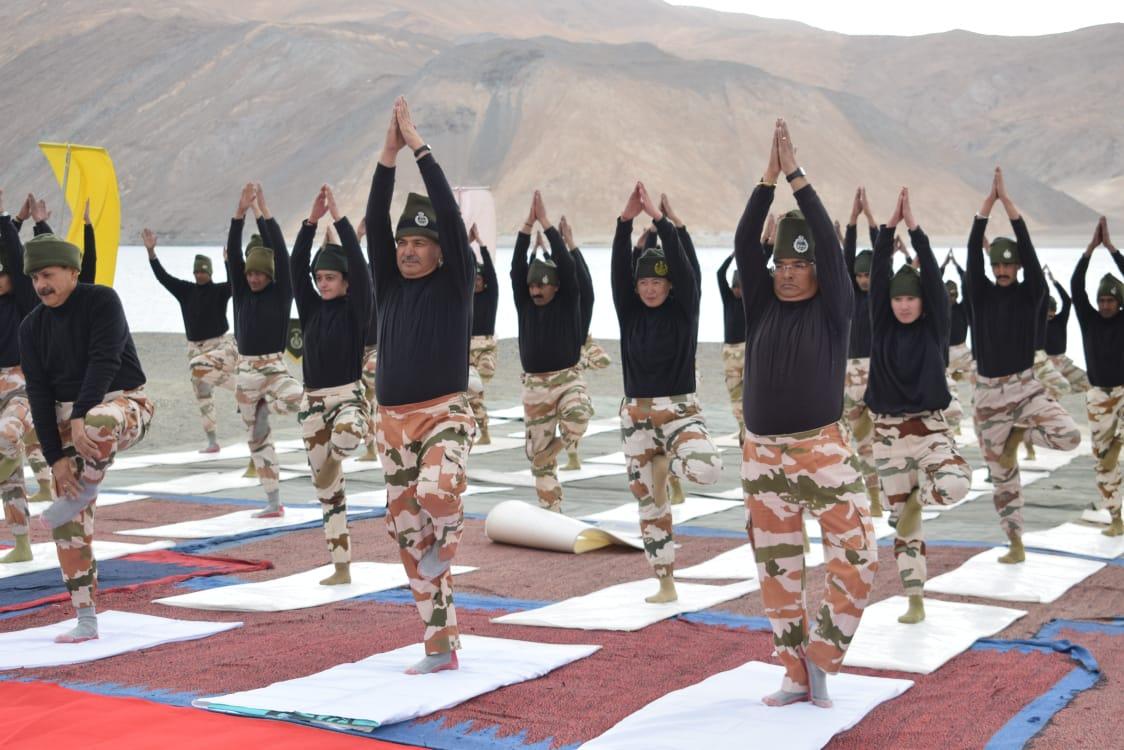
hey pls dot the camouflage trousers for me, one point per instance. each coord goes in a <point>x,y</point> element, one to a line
<point>1018,400</point>
<point>553,402</point>
<point>15,426</point>
<point>333,424</point>
<point>675,427</point>
<point>35,458</point>
<point>1049,376</point>
<point>961,369</point>
<point>854,411</point>
<point>1106,421</point>
<point>916,452</point>
<point>370,369</point>
<point>1074,375</point>
<point>424,448</point>
<point>784,477</point>
<point>265,378</point>
<point>733,367</point>
<point>213,363</point>
<point>594,357</point>
<point>482,356</point>
<point>116,424</point>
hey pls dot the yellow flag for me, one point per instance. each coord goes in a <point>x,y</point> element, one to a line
<point>86,172</point>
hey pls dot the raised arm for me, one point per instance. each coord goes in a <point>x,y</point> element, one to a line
<point>303,290</point>
<point>13,263</point>
<point>519,269</point>
<point>1064,312</point>
<point>881,271</point>
<point>1033,276</point>
<point>89,271</point>
<point>724,290</point>
<point>177,287</point>
<point>1085,309</point>
<point>235,262</point>
<point>679,270</point>
<point>360,291</point>
<point>749,254</point>
<point>491,281</point>
<point>684,239</point>
<point>620,268</point>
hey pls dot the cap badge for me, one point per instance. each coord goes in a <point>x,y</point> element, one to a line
<point>661,268</point>
<point>421,219</point>
<point>800,244</point>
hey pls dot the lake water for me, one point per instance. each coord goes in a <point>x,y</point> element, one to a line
<point>149,307</point>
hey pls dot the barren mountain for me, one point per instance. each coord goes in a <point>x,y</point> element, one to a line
<point>577,98</point>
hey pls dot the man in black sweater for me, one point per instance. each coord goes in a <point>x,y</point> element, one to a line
<point>85,386</point>
<point>1102,331</point>
<point>335,413</point>
<point>914,452</point>
<point>1010,402</point>
<point>556,405</point>
<point>662,424</point>
<point>212,356</point>
<point>858,352</point>
<point>1057,337</point>
<point>796,459</point>
<point>482,347</point>
<point>423,274</point>
<point>263,298</point>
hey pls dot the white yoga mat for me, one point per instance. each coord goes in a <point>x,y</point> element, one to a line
<point>732,494</point>
<point>45,557</point>
<point>297,591</point>
<point>948,629</point>
<point>596,427</point>
<point>727,441</point>
<point>377,498</point>
<point>524,479</point>
<point>202,483</point>
<point>1048,460</point>
<point>118,633</point>
<point>622,607</point>
<point>508,414</point>
<point>1026,477</point>
<point>105,499</point>
<point>375,691</point>
<point>350,465</point>
<point>1078,540</point>
<point>1101,516</point>
<point>1042,578</point>
<point>525,525</point>
<point>738,564</point>
<point>613,459</point>
<point>691,507</point>
<point>238,522</point>
<point>725,712</point>
<point>498,444</point>
<point>229,453</point>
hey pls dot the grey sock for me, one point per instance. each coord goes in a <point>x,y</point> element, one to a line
<point>817,682</point>
<point>65,509</point>
<point>212,439</point>
<point>431,565</point>
<point>434,663</point>
<point>272,504</point>
<point>85,630</point>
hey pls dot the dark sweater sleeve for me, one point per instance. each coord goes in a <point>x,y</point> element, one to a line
<point>692,256</point>
<point>13,263</point>
<point>360,294</point>
<point>459,263</point>
<point>519,271</point>
<point>235,263</point>
<point>567,266</point>
<point>89,271</point>
<point>881,271</point>
<point>271,230</point>
<point>1081,303</point>
<point>750,256</point>
<point>724,290</point>
<point>178,287</point>
<point>380,235</point>
<point>680,270</point>
<point>836,286</point>
<point>41,227</point>
<point>491,281</point>
<point>934,295</point>
<point>108,334</point>
<point>1063,314</point>
<point>1033,275</point>
<point>40,396</point>
<point>977,283</point>
<point>850,238</point>
<point>874,231</point>
<point>303,291</point>
<point>620,271</point>
<point>585,289</point>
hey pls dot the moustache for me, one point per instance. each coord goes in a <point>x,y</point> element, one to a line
<point>45,291</point>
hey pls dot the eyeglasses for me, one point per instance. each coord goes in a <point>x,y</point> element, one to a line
<point>796,265</point>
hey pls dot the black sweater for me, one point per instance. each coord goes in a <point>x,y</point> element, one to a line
<point>203,306</point>
<point>424,324</point>
<point>796,352</point>
<point>16,304</point>
<point>585,288</point>
<point>486,302</point>
<point>657,343</point>
<point>1103,339</point>
<point>960,314</point>
<point>1055,326</point>
<point>551,336</point>
<point>261,319</point>
<point>859,346</point>
<point>334,330</point>
<point>1004,318</point>
<point>78,351</point>
<point>733,315</point>
<point>907,362</point>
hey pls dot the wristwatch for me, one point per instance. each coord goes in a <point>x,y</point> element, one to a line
<point>798,173</point>
<point>418,151</point>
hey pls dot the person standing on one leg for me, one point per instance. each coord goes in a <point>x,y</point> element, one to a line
<point>556,405</point>
<point>334,413</point>
<point>1010,402</point>
<point>1102,332</point>
<point>914,451</point>
<point>263,298</point>
<point>370,364</point>
<point>796,458</point>
<point>858,363</point>
<point>1057,338</point>
<point>212,356</point>
<point>662,425</point>
<point>482,348</point>
<point>733,340</point>
<point>85,386</point>
<point>423,275</point>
